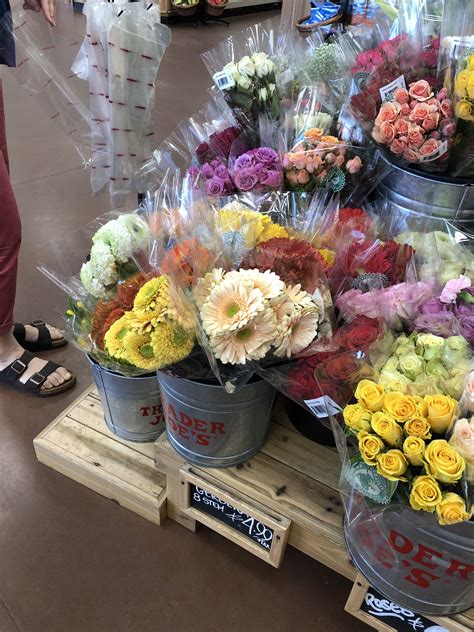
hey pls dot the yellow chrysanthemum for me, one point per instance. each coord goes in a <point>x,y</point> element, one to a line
<point>114,339</point>
<point>139,351</point>
<point>329,256</point>
<point>272,230</point>
<point>238,218</point>
<point>153,296</point>
<point>171,344</point>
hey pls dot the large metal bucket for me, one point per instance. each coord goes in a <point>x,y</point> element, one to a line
<point>132,405</point>
<point>212,428</point>
<point>427,194</point>
<point>413,561</point>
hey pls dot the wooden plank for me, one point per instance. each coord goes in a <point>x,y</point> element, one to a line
<point>94,457</point>
<point>293,10</point>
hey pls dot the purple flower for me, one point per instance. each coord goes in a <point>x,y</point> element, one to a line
<point>273,179</point>
<point>245,161</point>
<point>215,186</point>
<point>442,324</point>
<point>266,155</point>
<point>207,172</point>
<point>229,186</point>
<point>193,171</point>
<point>466,326</point>
<point>203,153</point>
<point>464,309</point>
<point>246,179</point>
<point>221,172</point>
<point>217,162</point>
<point>433,306</point>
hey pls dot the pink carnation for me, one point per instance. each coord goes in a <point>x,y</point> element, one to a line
<point>453,287</point>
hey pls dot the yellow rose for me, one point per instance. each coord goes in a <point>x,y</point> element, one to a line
<point>370,395</point>
<point>370,446</point>
<point>418,426</point>
<point>400,406</point>
<point>470,85</point>
<point>392,465</point>
<point>461,81</point>
<point>387,428</point>
<point>356,417</point>
<point>439,410</point>
<point>425,494</point>
<point>452,509</point>
<point>464,110</point>
<point>413,449</point>
<point>444,462</point>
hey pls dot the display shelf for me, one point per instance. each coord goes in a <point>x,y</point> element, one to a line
<point>79,445</point>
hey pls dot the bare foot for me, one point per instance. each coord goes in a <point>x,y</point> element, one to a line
<point>10,351</point>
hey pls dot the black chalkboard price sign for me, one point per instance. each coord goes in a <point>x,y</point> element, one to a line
<point>395,616</point>
<point>239,519</point>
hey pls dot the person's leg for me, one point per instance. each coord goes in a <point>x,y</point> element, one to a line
<point>10,239</point>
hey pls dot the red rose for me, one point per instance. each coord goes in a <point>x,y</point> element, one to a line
<point>341,368</point>
<point>302,383</point>
<point>399,256</point>
<point>369,257</point>
<point>360,337</point>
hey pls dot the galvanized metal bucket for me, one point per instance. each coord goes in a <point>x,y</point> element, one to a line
<point>212,428</point>
<point>424,193</point>
<point>413,561</point>
<point>132,405</point>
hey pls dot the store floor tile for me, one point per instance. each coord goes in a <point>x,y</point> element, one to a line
<point>71,561</point>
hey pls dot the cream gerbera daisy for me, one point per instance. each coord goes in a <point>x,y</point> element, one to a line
<point>251,342</point>
<point>296,332</point>
<point>230,306</point>
<point>114,339</point>
<point>267,282</point>
<point>206,284</point>
<point>180,310</point>
<point>299,297</point>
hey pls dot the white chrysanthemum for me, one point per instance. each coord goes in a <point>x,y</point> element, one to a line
<point>117,237</point>
<point>180,310</point>
<point>251,342</point>
<point>267,282</point>
<point>206,284</point>
<point>230,306</point>
<point>296,332</point>
<point>138,229</point>
<point>90,283</point>
<point>103,264</point>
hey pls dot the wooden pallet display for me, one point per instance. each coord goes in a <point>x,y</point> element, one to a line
<point>79,445</point>
<point>294,480</point>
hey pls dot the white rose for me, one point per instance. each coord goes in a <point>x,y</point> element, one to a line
<point>271,88</point>
<point>262,94</point>
<point>231,68</point>
<point>244,82</point>
<point>246,66</point>
<point>263,64</point>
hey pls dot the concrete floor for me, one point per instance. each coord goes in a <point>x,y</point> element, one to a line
<point>71,561</point>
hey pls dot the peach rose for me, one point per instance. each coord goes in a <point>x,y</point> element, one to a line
<point>431,121</point>
<point>292,178</point>
<point>398,146</point>
<point>419,112</point>
<point>411,155</point>
<point>405,109</point>
<point>303,177</point>
<point>354,165</point>
<point>420,90</point>
<point>313,162</point>
<point>387,132</point>
<point>330,158</point>
<point>339,162</point>
<point>415,136</point>
<point>388,113</point>
<point>448,127</point>
<point>401,95</point>
<point>446,108</point>
<point>401,126</point>
<point>429,147</point>
<point>376,135</point>
<point>314,134</point>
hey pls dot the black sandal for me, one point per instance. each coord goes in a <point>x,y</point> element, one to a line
<point>44,341</point>
<point>11,377</point>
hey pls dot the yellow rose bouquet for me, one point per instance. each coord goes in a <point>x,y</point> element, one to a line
<point>403,455</point>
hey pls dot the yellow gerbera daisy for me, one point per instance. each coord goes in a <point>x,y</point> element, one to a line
<point>153,296</point>
<point>114,339</point>
<point>139,351</point>
<point>144,322</point>
<point>171,344</point>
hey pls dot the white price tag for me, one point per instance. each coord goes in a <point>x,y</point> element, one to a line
<point>224,80</point>
<point>442,149</point>
<point>386,92</point>
<point>323,406</point>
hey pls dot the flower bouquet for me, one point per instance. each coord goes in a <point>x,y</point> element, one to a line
<point>257,170</point>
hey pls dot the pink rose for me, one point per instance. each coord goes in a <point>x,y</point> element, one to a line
<point>292,178</point>
<point>401,95</point>
<point>429,147</point>
<point>398,146</point>
<point>420,90</point>
<point>401,126</point>
<point>313,162</point>
<point>411,155</point>
<point>340,160</point>
<point>453,287</point>
<point>405,109</point>
<point>354,165</point>
<point>436,135</point>
<point>376,135</point>
<point>433,102</point>
<point>387,132</point>
<point>446,108</point>
<point>447,127</point>
<point>415,136</point>
<point>303,177</point>
<point>330,158</point>
<point>442,94</point>
<point>388,113</point>
<point>431,121</point>
<point>419,112</point>
<point>409,297</point>
<point>462,440</point>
